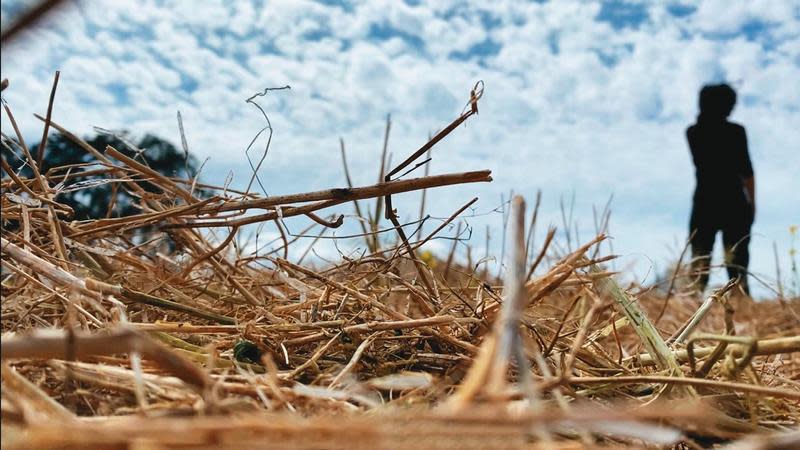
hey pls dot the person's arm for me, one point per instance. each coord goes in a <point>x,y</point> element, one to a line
<point>750,190</point>
<point>691,141</point>
<point>748,177</point>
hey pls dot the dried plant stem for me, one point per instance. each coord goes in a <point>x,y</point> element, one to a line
<point>683,332</point>
<point>141,168</point>
<point>360,215</point>
<point>354,359</point>
<point>647,333</point>
<point>37,406</point>
<point>695,382</point>
<point>422,324</point>
<point>43,141</point>
<point>28,19</point>
<point>368,301</point>
<point>673,278</point>
<point>56,345</point>
<point>358,193</point>
<point>53,272</point>
<point>313,359</point>
<point>765,347</point>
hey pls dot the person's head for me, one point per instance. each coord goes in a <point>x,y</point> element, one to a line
<point>717,100</point>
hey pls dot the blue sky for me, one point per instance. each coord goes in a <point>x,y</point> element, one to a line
<point>582,98</point>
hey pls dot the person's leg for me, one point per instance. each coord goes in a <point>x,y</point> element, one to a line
<point>702,242</point>
<point>736,239</point>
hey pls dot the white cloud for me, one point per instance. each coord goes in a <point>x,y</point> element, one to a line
<point>723,16</point>
<point>571,103</point>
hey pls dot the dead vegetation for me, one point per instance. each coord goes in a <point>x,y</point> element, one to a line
<point>112,342</point>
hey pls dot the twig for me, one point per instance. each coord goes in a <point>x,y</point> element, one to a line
<point>673,278</point>
<point>355,202</point>
<point>687,328</point>
<point>547,240</point>
<point>28,19</point>
<point>765,347</point>
<point>350,194</point>
<point>698,382</point>
<point>52,345</point>
<point>147,299</point>
<point>43,141</point>
<point>354,359</point>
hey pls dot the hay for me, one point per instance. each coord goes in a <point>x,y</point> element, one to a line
<point>112,340</point>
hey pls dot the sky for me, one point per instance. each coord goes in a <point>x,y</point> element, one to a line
<point>584,100</point>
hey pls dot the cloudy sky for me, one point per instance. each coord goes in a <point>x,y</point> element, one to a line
<point>583,99</point>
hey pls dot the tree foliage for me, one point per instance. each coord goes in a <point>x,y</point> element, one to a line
<point>93,200</point>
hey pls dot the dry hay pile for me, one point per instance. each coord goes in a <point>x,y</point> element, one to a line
<point>112,341</point>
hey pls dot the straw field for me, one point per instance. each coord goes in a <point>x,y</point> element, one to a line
<point>112,339</point>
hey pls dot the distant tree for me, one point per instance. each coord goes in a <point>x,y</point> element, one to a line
<point>92,201</point>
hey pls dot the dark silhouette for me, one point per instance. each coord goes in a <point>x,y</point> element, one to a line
<point>92,202</point>
<point>724,199</point>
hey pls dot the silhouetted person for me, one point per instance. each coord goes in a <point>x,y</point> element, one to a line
<point>724,199</point>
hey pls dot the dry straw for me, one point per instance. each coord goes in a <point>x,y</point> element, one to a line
<point>112,342</point>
